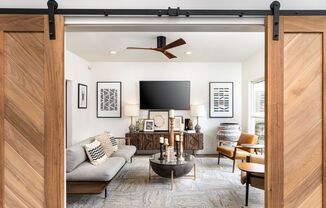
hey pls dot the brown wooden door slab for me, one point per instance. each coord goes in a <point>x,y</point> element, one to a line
<point>31,112</point>
<point>295,115</point>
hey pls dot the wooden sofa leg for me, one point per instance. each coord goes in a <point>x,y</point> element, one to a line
<point>219,156</point>
<point>233,165</point>
<point>105,193</point>
<point>131,159</point>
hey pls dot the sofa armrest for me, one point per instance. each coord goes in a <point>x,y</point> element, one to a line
<point>127,140</point>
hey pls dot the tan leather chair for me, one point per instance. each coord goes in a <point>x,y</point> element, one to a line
<point>238,152</point>
<point>257,182</point>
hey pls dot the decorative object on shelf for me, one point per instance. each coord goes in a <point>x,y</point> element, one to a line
<point>180,158</point>
<point>171,112</point>
<point>82,96</point>
<point>166,144</point>
<point>229,132</point>
<point>190,125</point>
<point>149,125</point>
<point>140,125</point>
<point>186,123</point>
<point>177,140</point>
<point>108,99</point>
<point>221,99</point>
<point>161,148</point>
<point>178,120</point>
<point>198,111</point>
<point>161,119</point>
<point>132,111</point>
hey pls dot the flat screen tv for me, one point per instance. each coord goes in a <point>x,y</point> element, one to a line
<point>164,95</point>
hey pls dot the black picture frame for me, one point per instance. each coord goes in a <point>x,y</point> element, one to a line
<point>210,110</point>
<point>79,91</point>
<point>97,98</point>
<point>165,111</point>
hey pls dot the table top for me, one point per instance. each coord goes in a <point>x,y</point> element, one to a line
<point>253,146</point>
<point>187,158</point>
<point>252,167</point>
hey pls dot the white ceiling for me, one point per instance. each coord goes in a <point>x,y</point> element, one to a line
<point>205,46</point>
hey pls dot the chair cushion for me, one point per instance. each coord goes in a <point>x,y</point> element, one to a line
<point>76,154</point>
<point>229,151</point>
<point>125,151</point>
<point>104,172</point>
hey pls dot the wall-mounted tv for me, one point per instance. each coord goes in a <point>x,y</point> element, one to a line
<point>164,95</point>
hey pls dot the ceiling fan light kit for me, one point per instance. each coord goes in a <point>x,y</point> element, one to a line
<point>162,47</point>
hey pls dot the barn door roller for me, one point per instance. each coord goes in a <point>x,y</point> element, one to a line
<point>52,7</point>
<point>275,7</point>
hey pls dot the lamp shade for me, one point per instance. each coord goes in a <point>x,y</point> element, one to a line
<point>131,110</point>
<point>197,110</point>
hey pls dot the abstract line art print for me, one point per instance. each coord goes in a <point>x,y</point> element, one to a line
<point>109,99</point>
<point>221,99</point>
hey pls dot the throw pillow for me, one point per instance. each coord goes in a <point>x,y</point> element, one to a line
<point>114,143</point>
<point>106,143</point>
<point>95,153</point>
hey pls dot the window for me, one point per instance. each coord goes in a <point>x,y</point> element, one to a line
<point>257,110</point>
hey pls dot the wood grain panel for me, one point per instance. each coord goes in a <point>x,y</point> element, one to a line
<point>54,114</point>
<point>302,118</point>
<point>274,77</point>
<point>2,119</point>
<point>22,23</point>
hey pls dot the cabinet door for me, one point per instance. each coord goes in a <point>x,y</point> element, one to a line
<point>193,141</point>
<point>148,142</point>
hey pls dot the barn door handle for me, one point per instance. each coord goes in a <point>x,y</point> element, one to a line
<point>52,7</point>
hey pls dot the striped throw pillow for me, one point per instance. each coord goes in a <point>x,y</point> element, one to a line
<point>95,153</point>
<point>106,143</point>
<point>114,143</point>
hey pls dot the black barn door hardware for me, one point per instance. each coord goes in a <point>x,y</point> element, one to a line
<point>172,12</point>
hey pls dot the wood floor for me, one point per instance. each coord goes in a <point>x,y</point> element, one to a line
<point>216,186</point>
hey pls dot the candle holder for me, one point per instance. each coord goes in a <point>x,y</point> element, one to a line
<point>180,158</point>
<point>177,154</point>
<point>161,152</point>
<point>166,150</point>
<point>171,132</point>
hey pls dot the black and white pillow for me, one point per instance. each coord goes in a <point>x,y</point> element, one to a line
<point>95,153</point>
<point>114,143</point>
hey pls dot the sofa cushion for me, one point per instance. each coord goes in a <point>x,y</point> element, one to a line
<point>125,151</point>
<point>104,172</point>
<point>76,154</point>
<point>95,153</point>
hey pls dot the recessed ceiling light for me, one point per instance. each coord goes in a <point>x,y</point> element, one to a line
<point>113,52</point>
<point>188,52</point>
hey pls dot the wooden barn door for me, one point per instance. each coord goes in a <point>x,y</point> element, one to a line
<point>295,112</point>
<point>31,112</point>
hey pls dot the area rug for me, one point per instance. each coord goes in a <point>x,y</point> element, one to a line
<point>215,186</point>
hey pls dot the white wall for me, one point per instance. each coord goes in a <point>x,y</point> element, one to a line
<point>200,74</point>
<point>76,70</point>
<point>253,68</point>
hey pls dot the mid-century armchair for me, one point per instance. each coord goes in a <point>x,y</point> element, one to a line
<point>238,152</point>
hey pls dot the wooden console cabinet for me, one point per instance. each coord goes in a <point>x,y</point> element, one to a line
<point>151,140</point>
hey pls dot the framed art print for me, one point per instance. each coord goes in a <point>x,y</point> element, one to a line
<point>178,120</point>
<point>149,125</point>
<point>108,99</point>
<point>82,96</point>
<point>221,99</point>
<point>161,119</point>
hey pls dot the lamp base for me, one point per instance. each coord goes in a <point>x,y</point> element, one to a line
<point>197,128</point>
<point>132,128</point>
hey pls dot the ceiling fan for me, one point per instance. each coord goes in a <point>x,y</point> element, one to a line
<point>162,47</point>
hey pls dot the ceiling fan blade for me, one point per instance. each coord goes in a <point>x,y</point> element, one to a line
<point>169,55</point>
<point>155,49</point>
<point>176,43</point>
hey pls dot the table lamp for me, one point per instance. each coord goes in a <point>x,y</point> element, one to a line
<point>132,111</point>
<point>197,111</point>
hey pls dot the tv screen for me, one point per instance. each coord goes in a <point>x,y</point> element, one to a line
<point>164,95</point>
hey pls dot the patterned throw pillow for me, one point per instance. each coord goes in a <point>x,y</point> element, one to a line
<point>114,143</point>
<point>95,153</point>
<point>106,143</point>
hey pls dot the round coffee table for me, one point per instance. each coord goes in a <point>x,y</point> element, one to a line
<point>172,169</point>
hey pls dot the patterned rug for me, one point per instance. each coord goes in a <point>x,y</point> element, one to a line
<point>216,186</point>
